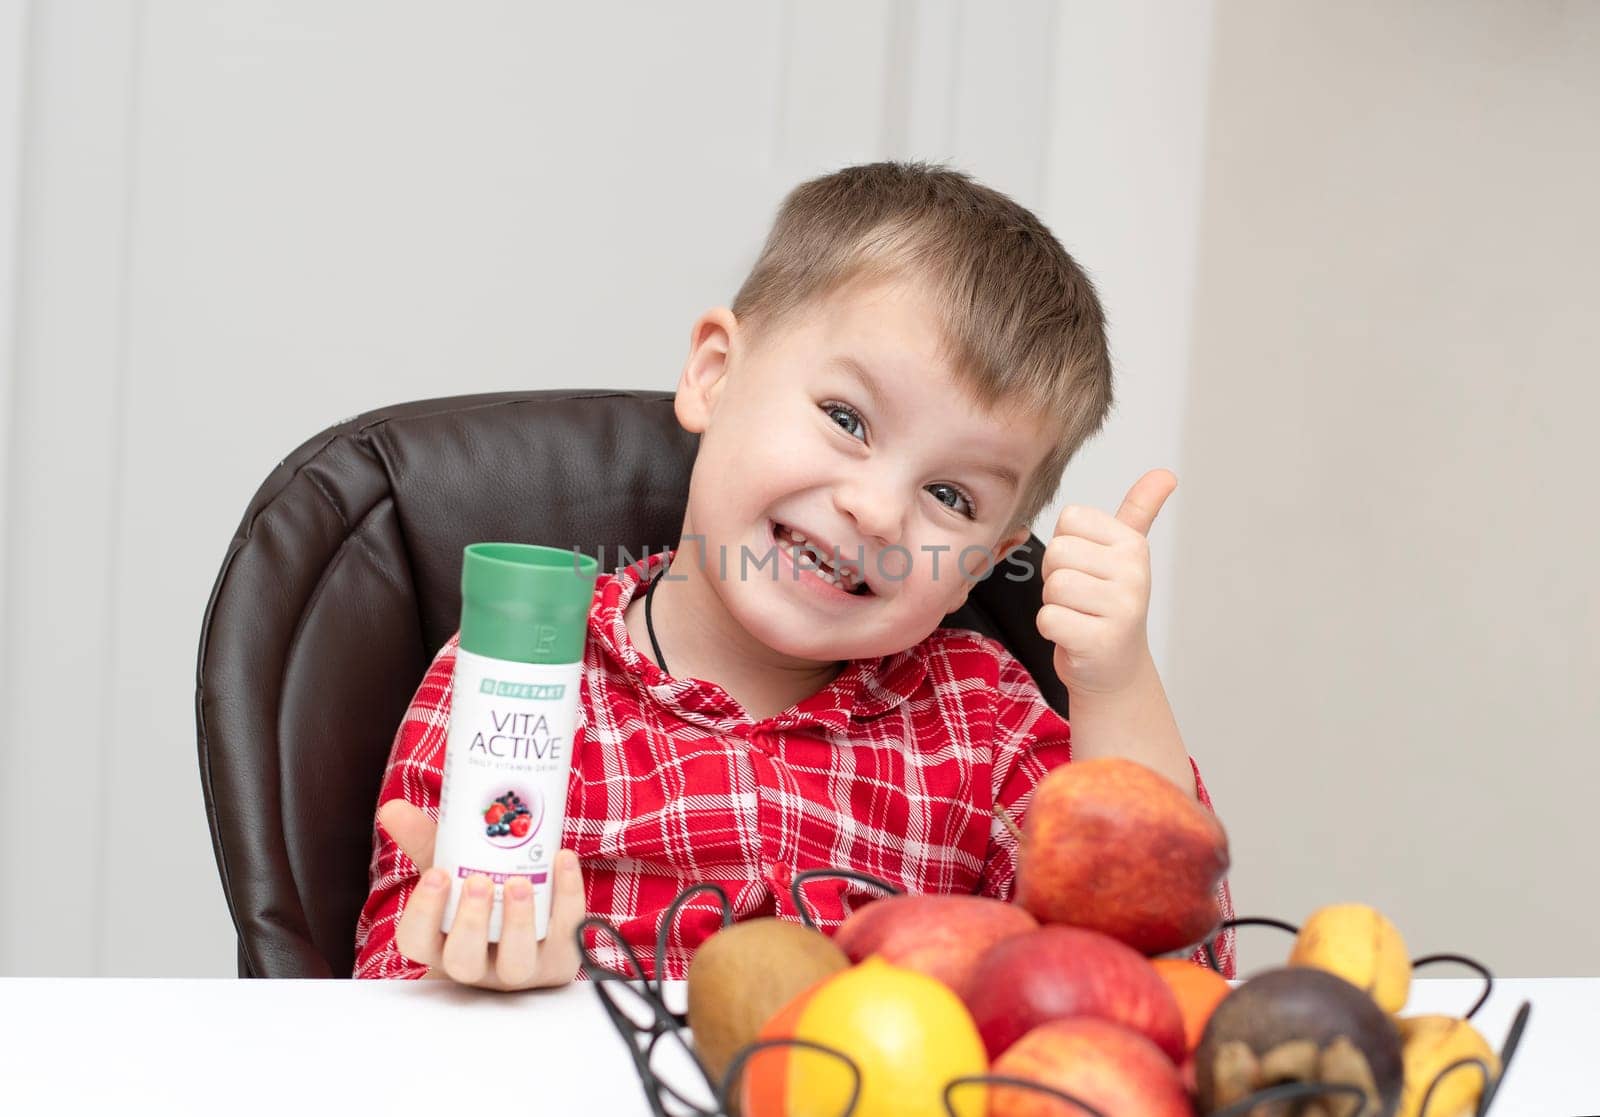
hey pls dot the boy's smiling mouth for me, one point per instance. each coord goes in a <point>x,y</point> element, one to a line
<point>845,577</point>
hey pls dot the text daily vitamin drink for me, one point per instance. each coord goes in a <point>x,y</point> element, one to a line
<point>513,713</point>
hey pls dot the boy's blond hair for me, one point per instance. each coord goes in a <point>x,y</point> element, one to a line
<point>1025,330</point>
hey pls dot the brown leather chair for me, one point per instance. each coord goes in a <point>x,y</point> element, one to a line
<point>342,581</point>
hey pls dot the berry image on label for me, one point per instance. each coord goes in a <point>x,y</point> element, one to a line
<point>512,817</point>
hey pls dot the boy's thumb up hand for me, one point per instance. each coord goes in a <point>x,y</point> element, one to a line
<point>1097,588</point>
<point>412,830</point>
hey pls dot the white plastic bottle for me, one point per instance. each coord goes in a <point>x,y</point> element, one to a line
<point>513,713</point>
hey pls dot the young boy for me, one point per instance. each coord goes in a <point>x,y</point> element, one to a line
<point>885,408</point>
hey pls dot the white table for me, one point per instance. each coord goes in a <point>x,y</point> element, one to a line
<point>222,1048</point>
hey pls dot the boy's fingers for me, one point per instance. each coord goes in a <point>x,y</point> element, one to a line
<point>417,934</point>
<point>466,947</point>
<point>1085,521</point>
<point>559,959</point>
<point>1073,552</point>
<point>412,830</point>
<point>517,958</point>
<point>1066,628</point>
<point>1082,593</point>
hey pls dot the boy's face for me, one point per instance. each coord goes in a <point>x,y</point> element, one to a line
<point>845,422</point>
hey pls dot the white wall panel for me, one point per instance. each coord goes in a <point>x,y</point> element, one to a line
<point>64,462</point>
<point>1001,113</point>
<point>836,81</point>
<point>13,75</point>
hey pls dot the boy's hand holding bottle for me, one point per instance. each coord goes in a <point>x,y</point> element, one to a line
<point>519,960</point>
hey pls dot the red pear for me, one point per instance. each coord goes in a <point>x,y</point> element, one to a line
<point>1112,845</point>
<point>941,936</point>
<point>1058,972</point>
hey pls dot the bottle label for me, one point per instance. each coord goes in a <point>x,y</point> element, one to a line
<point>507,762</point>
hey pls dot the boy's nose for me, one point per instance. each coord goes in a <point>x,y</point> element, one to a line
<point>872,504</point>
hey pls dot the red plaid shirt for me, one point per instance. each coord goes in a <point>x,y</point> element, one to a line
<point>892,769</point>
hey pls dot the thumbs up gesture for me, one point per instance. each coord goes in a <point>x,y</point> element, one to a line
<point>1097,588</point>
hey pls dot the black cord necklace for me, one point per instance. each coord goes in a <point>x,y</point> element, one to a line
<point>649,625</point>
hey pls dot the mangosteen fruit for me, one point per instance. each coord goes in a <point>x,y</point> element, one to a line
<point>1300,1024</point>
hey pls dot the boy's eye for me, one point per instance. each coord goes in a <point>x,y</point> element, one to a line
<point>970,510</point>
<point>851,419</point>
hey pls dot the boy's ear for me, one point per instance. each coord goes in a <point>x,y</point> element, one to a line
<point>705,372</point>
<point>1010,543</point>
<point>1000,551</point>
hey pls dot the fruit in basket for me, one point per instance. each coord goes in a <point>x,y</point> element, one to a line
<point>941,936</point>
<point>1059,972</point>
<point>907,1033</point>
<point>1360,945</point>
<point>1112,845</point>
<point>1198,991</point>
<point>1300,1024</point>
<point>1115,1070</point>
<point>746,972</point>
<point>1432,1043</point>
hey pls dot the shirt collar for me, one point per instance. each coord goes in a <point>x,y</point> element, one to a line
<point>864,689</point>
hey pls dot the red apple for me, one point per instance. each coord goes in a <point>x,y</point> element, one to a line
<point>1112,845</point>
<point>1059,972</point>
<point>1117,1071</point>
<point>941,936</point>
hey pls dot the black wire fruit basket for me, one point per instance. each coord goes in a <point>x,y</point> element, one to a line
<point>676,1082</point>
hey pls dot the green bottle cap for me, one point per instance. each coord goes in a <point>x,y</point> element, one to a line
<point>524,603</point>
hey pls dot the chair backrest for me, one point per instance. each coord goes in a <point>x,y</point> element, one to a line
<point>342,581</point>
